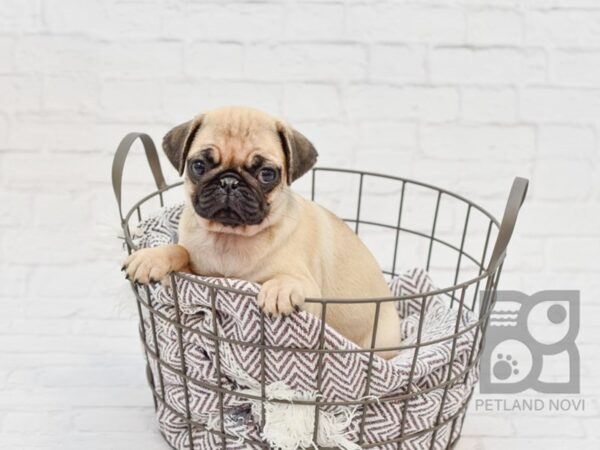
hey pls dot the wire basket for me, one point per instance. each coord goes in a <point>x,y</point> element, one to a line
<point>400,220</point>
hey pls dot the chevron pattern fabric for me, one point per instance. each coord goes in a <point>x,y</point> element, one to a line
<point>405,396</point>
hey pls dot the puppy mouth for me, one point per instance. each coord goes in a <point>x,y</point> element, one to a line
<point>228,216</point>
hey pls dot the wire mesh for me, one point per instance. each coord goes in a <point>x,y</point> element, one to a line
<point>467,268</point>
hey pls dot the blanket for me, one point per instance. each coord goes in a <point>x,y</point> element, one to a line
<point>189,407</point>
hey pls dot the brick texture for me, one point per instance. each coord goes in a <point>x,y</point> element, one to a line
<point>464,94</point>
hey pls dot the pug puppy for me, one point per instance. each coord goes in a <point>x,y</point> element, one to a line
<point>242,220</point>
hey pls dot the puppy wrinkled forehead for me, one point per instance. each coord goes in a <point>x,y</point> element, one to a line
<point>237,135</point>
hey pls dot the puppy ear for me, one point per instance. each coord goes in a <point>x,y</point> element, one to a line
<point>177,142</point>
<point>300,153</point>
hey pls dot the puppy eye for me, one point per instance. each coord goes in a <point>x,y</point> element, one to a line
<point>198,167</point>
<point>267,175</point>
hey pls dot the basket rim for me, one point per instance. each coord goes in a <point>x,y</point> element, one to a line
<point>199,279</point>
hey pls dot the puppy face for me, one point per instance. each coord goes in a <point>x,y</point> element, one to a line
<point>238,164</point>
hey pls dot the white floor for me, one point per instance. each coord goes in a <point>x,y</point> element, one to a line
<point>60,391</point>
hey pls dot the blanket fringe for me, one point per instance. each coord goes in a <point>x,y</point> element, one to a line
<point>290,427</point>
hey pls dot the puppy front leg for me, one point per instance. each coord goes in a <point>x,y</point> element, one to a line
<point>156,263</point>
<point>283,294</point>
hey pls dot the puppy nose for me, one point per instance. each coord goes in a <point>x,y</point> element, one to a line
<point>229,183</point>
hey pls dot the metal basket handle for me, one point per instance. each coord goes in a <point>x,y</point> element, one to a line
<point>119,162</point>
<point>511,212</point>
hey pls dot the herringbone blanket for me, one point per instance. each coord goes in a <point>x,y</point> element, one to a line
<point>292,373</point>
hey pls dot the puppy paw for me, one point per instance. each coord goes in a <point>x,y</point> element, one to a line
<point>148,265</point>
<point>281,296</point>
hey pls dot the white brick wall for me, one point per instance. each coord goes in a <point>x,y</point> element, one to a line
<point>462,93</point>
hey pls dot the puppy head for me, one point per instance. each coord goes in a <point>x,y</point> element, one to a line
<point>237,164</point>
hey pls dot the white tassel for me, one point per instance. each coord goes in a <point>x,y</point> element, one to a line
<point>290,427</point>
